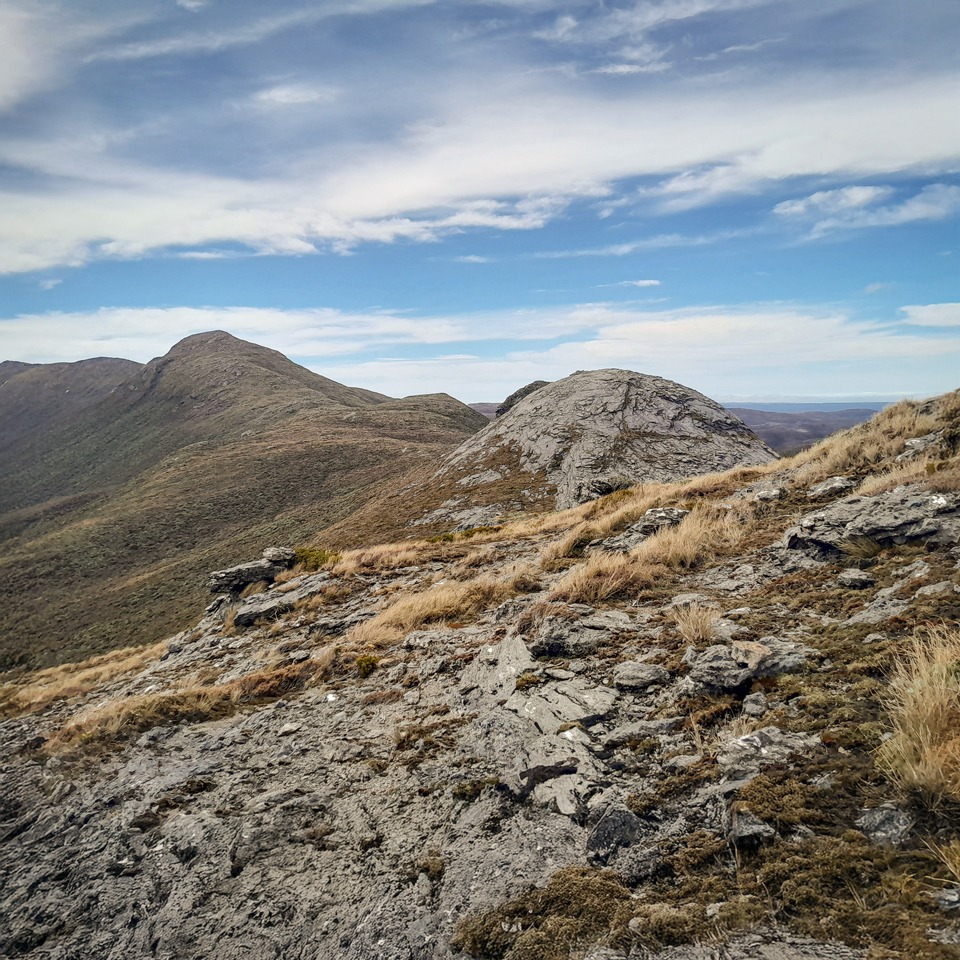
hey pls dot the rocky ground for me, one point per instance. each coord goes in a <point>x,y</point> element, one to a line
<point>484,747</point>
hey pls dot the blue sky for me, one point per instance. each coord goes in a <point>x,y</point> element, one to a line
<point>757,198</point>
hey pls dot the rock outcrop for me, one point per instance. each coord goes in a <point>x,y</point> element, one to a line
<point>599,430</point>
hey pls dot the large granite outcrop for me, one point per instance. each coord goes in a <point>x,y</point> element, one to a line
<point>599,430</point>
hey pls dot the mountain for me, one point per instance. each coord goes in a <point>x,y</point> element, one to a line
<point>715,717</point>
<point>597,430</point>
<point>790,432</point>
<point>37,397</point>
<point>110,509</point>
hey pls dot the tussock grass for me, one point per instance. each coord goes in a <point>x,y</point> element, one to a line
<point>695,623</point>
<point>120,720</point>
<point>949,855</point>
<point>923,701</point>
<point>450,601</point>
<point>862,447</point>
<point>913,471</point>
<point>706,533</point>
<point>604,576</point>
<point>38,690</point>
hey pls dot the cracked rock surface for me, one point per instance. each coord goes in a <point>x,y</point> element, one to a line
<point>598,430</point>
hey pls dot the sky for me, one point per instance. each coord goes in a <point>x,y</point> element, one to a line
<point>756,198</point>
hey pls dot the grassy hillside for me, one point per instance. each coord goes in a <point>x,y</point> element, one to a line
<point>110,519</point>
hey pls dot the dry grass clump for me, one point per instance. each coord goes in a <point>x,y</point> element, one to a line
<point>451,601</point>
<point>120,720</point>
<point>864,446</point>
<point>604,576</point>
<point>695,623</point>
<point>706,533</point>
<point>924,705</point>
<point>387,556</point>
<point>912,471</point>
<point>38,690</point>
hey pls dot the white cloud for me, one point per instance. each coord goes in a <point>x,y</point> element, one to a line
<point>473,258</point>
<point>295,94</point>
<point>855,208</point>
<point>50,284</point>
<point>774,350</point>
<point>876,287</point>
<point>509,151</point>
<point>632,283</point>
<point>933,315</point>
<point>833,201</point>
<point>192,5</point>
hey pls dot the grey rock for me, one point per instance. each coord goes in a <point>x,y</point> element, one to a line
<point>617,828</point>
<point>275,560</point>
<point>745,828</point>
<point>635,676</point>
<point>916,445</point>
<point>642,428</point>
<point>905,515</point>
<point>273,603</point>
<point>886,825</point>
<point>728,666</point>
<point>936,589</point>
<point>676,764</point>
<point>855,579</point>
<point>562,637</point>
<point>552,706</point>
<point>753,750</point>
<point>831,487</point>
<point>755,705</point>
<point>655,519</point>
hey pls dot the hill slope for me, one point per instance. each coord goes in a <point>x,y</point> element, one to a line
<point>675,723</point>
<point>109,517</point>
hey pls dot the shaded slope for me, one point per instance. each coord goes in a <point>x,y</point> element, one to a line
<point>212,451</point>
<point>36,397</point>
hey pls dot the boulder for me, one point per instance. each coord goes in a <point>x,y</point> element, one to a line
<point>562,637</point>
<point>273,562</point>
<point>652,521</point>
<point>637,677</point>
<point>728,666</point>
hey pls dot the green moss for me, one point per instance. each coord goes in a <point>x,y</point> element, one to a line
<point>366,664</point>
<point>546,923</point>
<point>316,558</point>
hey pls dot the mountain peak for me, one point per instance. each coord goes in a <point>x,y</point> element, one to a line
<point>596,430</point>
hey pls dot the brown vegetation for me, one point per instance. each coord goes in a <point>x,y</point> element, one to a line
<point>923,700</point>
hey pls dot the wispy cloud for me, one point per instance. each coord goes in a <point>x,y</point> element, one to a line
<point>632,283</point>
<point>472,258</point>
<point>295,94</point>
<point>854,208</point>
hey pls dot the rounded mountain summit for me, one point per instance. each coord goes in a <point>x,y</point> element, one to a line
<point>596,431</point>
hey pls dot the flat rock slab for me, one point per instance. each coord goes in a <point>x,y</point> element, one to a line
<point>904,515</point>
<point>551,706</point>
<point>748,753</point>
<point>637,677</point>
